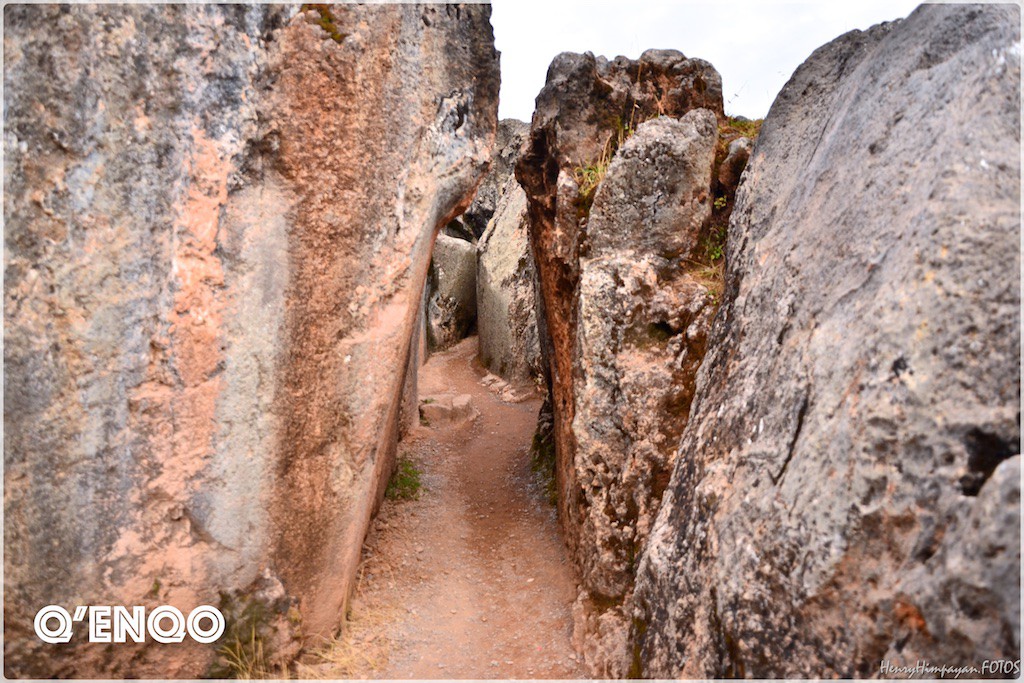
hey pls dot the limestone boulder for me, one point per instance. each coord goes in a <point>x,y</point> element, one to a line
<point>218,224</point>
<point>584,107</point>
<point>442,410</point>
<point>622,310</point>
<point>644,313</point>
<point>847,487</point>
<point>451,299</point>
<point>506,295</point>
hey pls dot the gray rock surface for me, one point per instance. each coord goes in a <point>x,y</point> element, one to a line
<point>620,320</point>
<point>218,221</point>
<point>451,299</point>
<point>584,105</point>
<point>506,295</point>
<point>731,169</point>
<point>847,489</point>
<point>644,315</point>
<point>507,145</point>
<point>447,409</point>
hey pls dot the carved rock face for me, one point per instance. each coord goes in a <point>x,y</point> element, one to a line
<point>218,225</point>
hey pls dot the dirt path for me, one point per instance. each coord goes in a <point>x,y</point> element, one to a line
<point>471,580</point>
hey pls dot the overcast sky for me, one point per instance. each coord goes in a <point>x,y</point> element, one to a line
<point>755,46</point>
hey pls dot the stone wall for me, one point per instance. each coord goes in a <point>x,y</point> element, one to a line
<point>218,225</point>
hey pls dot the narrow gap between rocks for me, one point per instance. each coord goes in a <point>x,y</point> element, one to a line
<point>464,571</point>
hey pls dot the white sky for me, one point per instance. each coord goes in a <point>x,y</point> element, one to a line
<point>755,46</point>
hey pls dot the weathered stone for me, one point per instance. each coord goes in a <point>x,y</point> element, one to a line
<point>582,108</point>
<point>506,303</point>
<point>644,313</point>
<point>732,166</point>
<point>586,104</point>
<point>451,303</point>
<point>837,499</point>
<point>509,142</point>
<point>587,108</point>
<point>218,222</point>
<point>447,409</point>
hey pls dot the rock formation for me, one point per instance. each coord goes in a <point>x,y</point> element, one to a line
<point>509,142</point>
<point>451,293</point>
<point>623,310</point>
<point>506,299</point>
<point>218,226</point>
<point>847,488</point>
<point>645,308</point>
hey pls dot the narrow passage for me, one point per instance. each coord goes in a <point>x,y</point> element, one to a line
<point>472,579</point>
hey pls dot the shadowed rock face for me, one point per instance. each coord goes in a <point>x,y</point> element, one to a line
<point>607,333</point>
<point>218,226</point>
<point>451,292</point>
<point>847,488</point>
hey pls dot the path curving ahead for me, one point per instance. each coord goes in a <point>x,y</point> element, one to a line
<point>472,580</point>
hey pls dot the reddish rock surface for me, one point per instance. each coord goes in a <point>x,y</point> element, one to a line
<point>218,225</point>
<point>615,305</point>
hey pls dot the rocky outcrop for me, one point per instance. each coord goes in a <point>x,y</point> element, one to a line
<point>451,301</point>
<point>623,312</point>
<point>218,226</point>
<point>847,488</point>
<point>645,309</point>
<point>509,142</point>
<point>505,291</point>
<point>447,409</point>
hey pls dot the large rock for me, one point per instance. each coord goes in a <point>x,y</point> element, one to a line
<point>847,489</point>
<point>451,294</point>
<point>506,297</point>
<point>509,142</point>
<point>644,314</point>
<point>615,301</point>
<point>218,222</point>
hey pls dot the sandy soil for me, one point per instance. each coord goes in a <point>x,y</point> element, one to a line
<point>472,580</point>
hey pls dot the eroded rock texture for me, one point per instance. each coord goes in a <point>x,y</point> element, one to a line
<point>451,295</point>
<point>218,226</point>
<point>506,277</point>
<point>508,143</point>
<point>847,488</point>
<point>621,313</point>
<point>644,315</point>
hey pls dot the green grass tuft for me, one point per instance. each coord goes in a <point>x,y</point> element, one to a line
<point>405,484</point>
